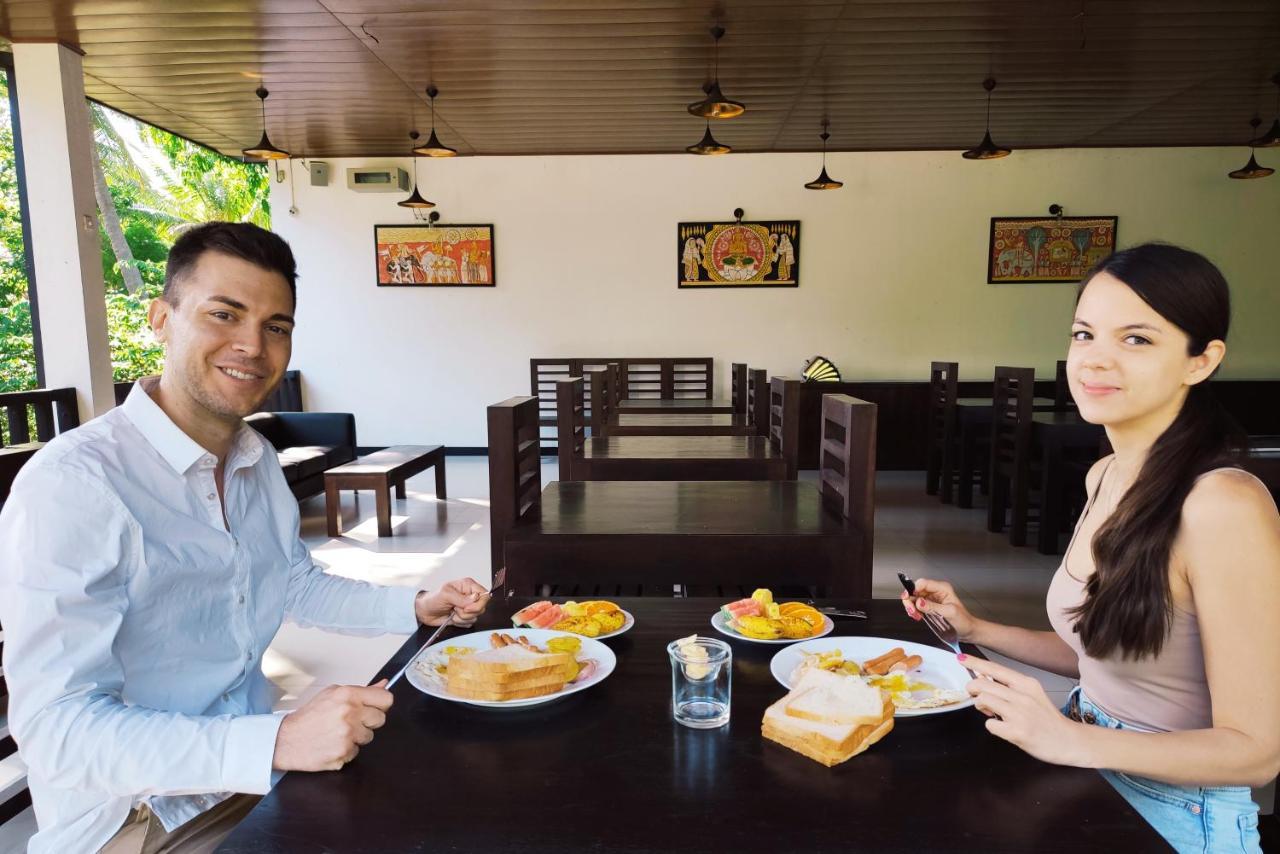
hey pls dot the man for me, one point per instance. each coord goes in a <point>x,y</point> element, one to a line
<point>147,560</point>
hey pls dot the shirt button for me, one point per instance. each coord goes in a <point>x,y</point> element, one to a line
<point>226,698</point>
<point>212,495</point>
<point>241,599</point>
<point>248,655</point>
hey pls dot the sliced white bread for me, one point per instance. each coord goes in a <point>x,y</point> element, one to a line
<point>507,662</point>
<point>824,741</point>
<point>826,697</point>
<point>480,691</point>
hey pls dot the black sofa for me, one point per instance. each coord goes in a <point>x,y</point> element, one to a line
<point>307,443</point>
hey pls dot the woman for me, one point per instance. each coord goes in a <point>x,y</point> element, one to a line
<point>1166,606</point>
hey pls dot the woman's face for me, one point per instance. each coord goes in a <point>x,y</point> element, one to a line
<point>1126,364</point>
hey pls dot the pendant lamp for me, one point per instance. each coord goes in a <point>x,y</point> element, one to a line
<point>1251,169</point>
<point>708,144</point>
<point>415,199</point>
<point>1271,138</point>
<point>715,105</point>
<point>433,146</point>
<point>824,181</point>
<point>987,150</point>
<point>264,150</point>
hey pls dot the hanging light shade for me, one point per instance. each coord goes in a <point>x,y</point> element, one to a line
<point>264,150</point>
<point>1271,138</point>
<point>415,199</point>
<point>987,150</point>
<point>715,105</point>
<point>824,181</point>
<point>708,144</point>
<point>1251,169</point>
<point>433,147</point>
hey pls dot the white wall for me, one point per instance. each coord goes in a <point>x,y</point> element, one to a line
<point>892,270</point>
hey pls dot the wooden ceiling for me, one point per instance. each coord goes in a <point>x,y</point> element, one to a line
<point>347,77</point>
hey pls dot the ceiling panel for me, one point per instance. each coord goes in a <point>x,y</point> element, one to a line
<point>348,78</point>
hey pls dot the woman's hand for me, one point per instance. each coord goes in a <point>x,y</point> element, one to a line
<point>1021,712</point>
<point>464,598</point>
<point>938,597</point>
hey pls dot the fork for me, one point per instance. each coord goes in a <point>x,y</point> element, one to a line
<point>938,624</point>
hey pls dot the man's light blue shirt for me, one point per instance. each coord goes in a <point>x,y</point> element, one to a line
<point>135,620</point>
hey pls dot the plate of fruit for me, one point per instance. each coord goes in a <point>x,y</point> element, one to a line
<point>762,620</point>
<point>597,618</point>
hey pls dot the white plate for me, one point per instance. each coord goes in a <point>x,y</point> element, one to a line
<point>433,684</point>
<point>627,622</point>
<point>720,623</point>
<point>939,669</point>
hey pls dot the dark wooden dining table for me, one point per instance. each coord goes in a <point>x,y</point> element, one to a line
<point>680,424</point>
<point>687,405</point>
<point>973,421</point>
<point>679,458</point>
<point>1060,438</point>
<point>608,770</point>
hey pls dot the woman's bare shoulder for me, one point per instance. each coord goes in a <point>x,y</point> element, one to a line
<point>1226,500</point>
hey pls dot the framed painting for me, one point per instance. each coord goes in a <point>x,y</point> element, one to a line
<point>738,254</point>
<point>435,255</point>
<point>1047,249</point>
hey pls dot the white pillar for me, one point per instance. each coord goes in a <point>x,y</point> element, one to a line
<point>65,249</point>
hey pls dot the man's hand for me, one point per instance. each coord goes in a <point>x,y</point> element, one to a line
<point>328,731</point>
<point>464,598</point>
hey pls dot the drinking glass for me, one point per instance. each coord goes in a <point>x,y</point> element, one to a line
<point>701,677</point>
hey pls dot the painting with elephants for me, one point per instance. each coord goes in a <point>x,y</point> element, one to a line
<point>738,254</point>
<point>1047,249</point>
<point>434,255</point>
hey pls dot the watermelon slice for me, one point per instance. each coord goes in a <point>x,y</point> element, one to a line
<point>547,618</point>
<point>525,616</point>
<point>742,608</point>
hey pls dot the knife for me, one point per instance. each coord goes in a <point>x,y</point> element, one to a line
<point>412,658</point>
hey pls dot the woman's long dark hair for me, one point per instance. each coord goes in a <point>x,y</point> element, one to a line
<point>1128,605</point>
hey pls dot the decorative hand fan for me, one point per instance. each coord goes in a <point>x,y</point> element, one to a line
<point>820,370</point>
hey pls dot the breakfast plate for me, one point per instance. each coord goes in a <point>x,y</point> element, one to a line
<point>720,622</point>
<point>424,671</point>
<point>939,668</point>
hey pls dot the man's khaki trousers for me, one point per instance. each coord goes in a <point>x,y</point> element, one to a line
<point>143,833</point>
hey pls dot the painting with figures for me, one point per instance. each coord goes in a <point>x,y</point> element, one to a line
<point>1047,249</point>
<point>738,254</point>
<point>435,255</point>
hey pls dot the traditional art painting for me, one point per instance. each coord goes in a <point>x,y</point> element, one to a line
<point>1047,249</point>
<point>739,254</point>
<point>435,255</point>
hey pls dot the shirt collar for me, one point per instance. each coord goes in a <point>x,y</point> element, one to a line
<point>179,450</point>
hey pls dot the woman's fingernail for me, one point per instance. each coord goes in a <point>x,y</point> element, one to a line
<point>962,657</point>
<point>920,604</point>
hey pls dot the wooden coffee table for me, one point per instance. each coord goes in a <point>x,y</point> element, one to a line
<point>379,471</point>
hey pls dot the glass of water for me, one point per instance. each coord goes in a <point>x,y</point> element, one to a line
<point>701,677</point>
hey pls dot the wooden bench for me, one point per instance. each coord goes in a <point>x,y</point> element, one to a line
<point>380,471</point>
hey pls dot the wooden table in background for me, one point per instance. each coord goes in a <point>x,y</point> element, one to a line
<point>379,472</point>
<point>973,419</point>
<point>607,770</point>
<point>690,405</point>
<point>680,458</point>
<point>680,424</point>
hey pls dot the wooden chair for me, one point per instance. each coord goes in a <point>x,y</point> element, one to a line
<point>758,399</point>
<point>942,429</point>
<point>571,425</point>
<point>784,420</point>
<point>601,401</point>
<point>1062,399</point>
<point>738,386</point>
<point>847,463</point>
<point>515,472</point>
<point>1011,475</point>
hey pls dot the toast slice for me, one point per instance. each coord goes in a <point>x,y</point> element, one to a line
<point>825,697</point>
<point>480,691</point>
<point>509,662</point>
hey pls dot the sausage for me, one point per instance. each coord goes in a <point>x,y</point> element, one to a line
<point>880,666</point>
<point>911,662</point>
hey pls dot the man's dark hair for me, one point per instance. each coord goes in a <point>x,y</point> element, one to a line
<point>242,240</point>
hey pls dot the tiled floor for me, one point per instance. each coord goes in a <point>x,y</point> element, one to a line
<point>436,541</point>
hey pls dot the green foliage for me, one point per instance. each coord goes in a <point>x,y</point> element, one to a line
<point>160,185</point>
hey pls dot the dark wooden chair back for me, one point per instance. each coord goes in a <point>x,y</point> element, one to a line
<point>615,385</point>
<point>48,411</point>
<point>1012,402</point>
<point>738,387</point>
<point>600,398</point>
<point>758,400</point>
<point>571,426</point>
<point>847,463</point>
<point>515,472</point>
<point>942,425</point>
<point>784,420</point>
<point>1062,399</point>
